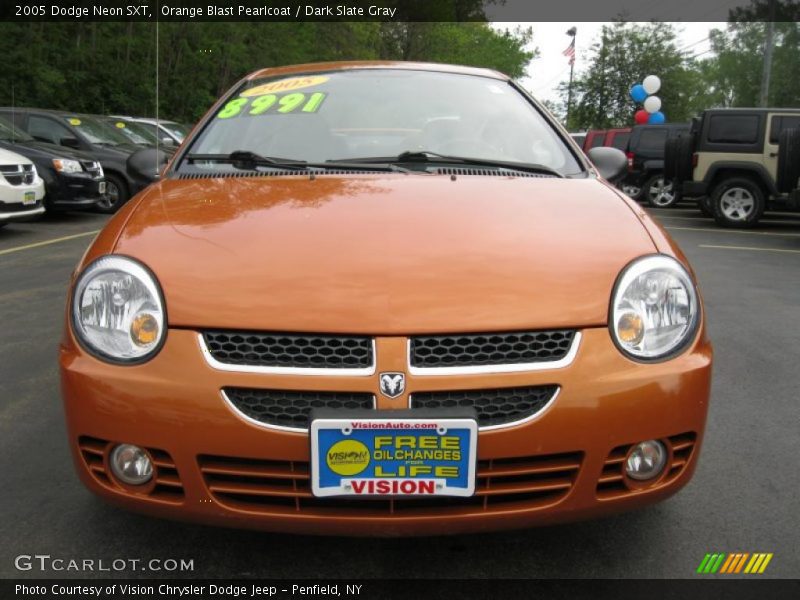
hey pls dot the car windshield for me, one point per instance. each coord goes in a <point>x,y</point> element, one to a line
<point>96,131</point>
<point>133,131</point>
<point>9,133</point>
<point>177,130</point>
<point>336,116</point>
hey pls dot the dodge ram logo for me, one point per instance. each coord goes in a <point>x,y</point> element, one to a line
<point>392,384</point>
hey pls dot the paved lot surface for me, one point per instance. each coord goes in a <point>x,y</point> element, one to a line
<point>744,496</point>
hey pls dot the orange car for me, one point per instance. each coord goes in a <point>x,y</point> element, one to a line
<point>384,299</point>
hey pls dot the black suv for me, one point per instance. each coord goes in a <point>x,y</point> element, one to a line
<point>646,163</point>
<point>72,179</point>
<point>88,134</point>
<point>743,160</point>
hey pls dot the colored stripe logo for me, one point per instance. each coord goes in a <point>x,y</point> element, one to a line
<point>737,562</point>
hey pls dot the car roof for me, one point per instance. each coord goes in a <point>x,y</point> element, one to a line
<point>376,64</point>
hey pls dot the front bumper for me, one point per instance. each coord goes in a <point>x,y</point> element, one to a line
<point>75,191</point>
<point>563,465</point>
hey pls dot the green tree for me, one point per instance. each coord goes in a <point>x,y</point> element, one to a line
<point>110,67</point>
<point>624,55</point>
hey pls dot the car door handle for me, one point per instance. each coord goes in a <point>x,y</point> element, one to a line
<point>773,154</point>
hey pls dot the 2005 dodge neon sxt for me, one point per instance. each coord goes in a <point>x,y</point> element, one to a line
<point>384,299</point>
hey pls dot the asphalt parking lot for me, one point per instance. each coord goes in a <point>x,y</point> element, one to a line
<point>743,497</point>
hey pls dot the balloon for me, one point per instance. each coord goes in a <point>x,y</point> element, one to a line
<point>638,93</point>
<point>657,118</point>
<point>652,104</point>
<point>651,84</point>
<point>641,117</point>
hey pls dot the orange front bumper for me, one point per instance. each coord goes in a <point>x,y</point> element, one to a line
<point>214,467</point>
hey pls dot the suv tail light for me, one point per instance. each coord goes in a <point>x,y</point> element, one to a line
<point>630,156</point>
<point>694,160</point>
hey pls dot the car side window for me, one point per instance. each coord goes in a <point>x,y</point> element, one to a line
<point>598,140</point>
<point>733,129</point>
<point>48,130</point>
<point>653,139</point>
<point>620,141</point>
<point>781,122</point>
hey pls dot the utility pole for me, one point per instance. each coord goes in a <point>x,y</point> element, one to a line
<point>572,32</point>
<point>769,43</point>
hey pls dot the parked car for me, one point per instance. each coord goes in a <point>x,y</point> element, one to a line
<point>87,134</point>
<point>743,160</point>
<point>21,188</point>
<point>409,324</point>
<point>613,138</point>
<point>136,133</point>
<point>645,180</point>
<point>169,133</point>
<point>72,179</point>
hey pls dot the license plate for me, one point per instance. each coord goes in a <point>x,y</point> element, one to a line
<point>102,189</point>
<point>29,198</point>
<point>393,456</point>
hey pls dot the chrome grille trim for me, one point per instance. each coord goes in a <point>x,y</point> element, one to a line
<point>522,421</point>
<point>262,424</point>
<point>311,371</point>
<point>495,369</point>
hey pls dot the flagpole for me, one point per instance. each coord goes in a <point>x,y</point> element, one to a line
<point>573,31</point>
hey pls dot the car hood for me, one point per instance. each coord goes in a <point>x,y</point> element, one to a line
<point>7,157</point>
<point>384,254</point>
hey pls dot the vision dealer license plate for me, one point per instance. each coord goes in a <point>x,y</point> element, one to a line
<point>393,456</point>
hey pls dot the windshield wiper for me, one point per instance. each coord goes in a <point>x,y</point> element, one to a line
<point>426,156</point>
<point>245,159</point>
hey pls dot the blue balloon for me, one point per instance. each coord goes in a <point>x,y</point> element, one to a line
<point>638,93</point>
<point>657,118</point>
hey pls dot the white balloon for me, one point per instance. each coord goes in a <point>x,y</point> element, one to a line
<point>652,104</point>
<point>651,84</point>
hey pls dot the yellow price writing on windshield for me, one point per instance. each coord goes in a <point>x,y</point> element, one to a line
<point>272,103</point>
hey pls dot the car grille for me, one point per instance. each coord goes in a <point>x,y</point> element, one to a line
<point>493,406</point>
<point>18,207</point>
<point>280,350</point>
<point>285,408</point>
<point>17,174</point>
<point>92,167</point>
<point>168,486</point>
<point>280,487</point>
<point>490,349</point>
<point>612,483</point>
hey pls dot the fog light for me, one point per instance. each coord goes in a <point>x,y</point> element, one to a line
<point>131,464</point>
<point>646,460</point>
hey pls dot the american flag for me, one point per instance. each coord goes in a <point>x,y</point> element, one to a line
<point>570,52</point>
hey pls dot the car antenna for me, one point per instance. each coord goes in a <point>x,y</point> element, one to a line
<point>13,117</point>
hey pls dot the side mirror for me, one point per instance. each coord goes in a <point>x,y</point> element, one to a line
<point>147,164</point>
<point>167,141</point>
<point>70,142</point>
<point>610,162</point>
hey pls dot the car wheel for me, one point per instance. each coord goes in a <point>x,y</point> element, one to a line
<point>659,192</point>
<point>116,195</point>
<point>630,190</point>
<point>737,202</point>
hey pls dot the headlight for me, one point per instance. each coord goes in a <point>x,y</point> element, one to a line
<point>117,310</point>
<point>654,309</point>
<point>64,165</point>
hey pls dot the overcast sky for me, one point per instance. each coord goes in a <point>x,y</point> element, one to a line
<point>552,67</point>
